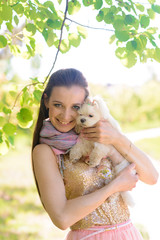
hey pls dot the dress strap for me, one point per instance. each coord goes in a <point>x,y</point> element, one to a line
<point>104,229</point>
<point>60,160</point>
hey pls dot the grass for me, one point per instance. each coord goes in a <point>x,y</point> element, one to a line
<point>22,216</point>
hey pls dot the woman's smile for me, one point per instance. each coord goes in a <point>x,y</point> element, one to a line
<point>63,105</point>
<point>66,123</point>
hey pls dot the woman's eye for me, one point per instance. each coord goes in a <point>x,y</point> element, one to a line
<point>90,116</point>
<point>57,105</point>
<point>76,107</point>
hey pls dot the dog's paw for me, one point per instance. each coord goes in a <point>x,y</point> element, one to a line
<point>74,160</point>
<point>93,163</point>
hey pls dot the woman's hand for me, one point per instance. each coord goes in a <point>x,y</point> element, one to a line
<point>101,132</point>
<point>126,179</point>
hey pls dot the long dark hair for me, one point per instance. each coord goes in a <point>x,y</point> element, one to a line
<point>66,78</point>
<point>63,77</point>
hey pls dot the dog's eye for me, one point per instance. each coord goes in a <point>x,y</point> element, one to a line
<point>90,115</point>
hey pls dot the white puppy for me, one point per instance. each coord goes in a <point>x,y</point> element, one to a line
<point>89,114</point>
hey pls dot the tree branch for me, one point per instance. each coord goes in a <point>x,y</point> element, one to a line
<point>65,17</point>
<point>86,26</point>
<point>31,84</point>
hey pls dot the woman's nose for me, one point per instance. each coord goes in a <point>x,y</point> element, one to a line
<point>67,114</point>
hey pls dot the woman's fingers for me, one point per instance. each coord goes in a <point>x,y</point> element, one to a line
<point>126,179</point>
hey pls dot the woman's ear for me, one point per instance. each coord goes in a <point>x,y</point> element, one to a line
<point>45,97</point>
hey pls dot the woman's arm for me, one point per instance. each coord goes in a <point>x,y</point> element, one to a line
<point>63,212</point>
<point>104,133</point>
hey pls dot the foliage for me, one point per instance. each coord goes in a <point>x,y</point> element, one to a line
<point>17,111</point>
<point>132,24</point>
<point>23,21</point>
<point>134,108</point>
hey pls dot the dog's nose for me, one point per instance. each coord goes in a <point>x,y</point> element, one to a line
<point>83,120</point>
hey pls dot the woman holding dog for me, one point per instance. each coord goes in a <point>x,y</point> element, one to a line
<point>74,195</point>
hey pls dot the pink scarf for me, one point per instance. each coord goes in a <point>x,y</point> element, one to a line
<point>60,142</point>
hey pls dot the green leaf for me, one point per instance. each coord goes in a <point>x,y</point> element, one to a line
<point>4,147</point>
<point>118,24</point>
<point>19,9</point>
<point>122,36</point>
<point>129,60</point>
<point>100,16</point>
<point>37,95</point>
<point>51,39</point>
<point>45,34</point>
<point>1,136</point>
<point>131,45</point>
<point>82,31</point>
<point>98,4</point>
<point>151,13</point>
<point>156,8</point>
<point>16,19</point>
<point>9,129</point>
<point>152,30</point>
<point>135,44</point>
<point>140,7</point>
<point>11,140</point>
<point>109,2</point>
<point>30,27</point>
<point>157,54</point>
<point>112,38</point>
<point>121,52</point>
<point>49,4</point>
<point>153,42</point>
<point>143,40</point>
<point>144,21</point>
<point>9,26</point>
<point>15,50</point>
<point>32,43</point>
<point>109,17</point>
<point>3,41</point>
<point>65,46</point>
<point>151,1</point>
<point>129,19</point>
<point>87,3</point>
<point>25,115</point>
<point>25,118</point>
<point>6,110</point>
<point>2,121</point>
<point>13,94</point>
<point>55,24</point>
<point>73,7</point>
<point>74,39</point>
<point>6,13</point>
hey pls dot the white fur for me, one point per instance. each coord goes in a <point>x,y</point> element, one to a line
<point>89,114</point>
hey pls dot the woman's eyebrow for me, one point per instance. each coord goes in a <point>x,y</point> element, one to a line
<point>56,101</point>
<point>77,103</point>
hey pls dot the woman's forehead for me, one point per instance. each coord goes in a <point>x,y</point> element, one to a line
<point>73,94</point>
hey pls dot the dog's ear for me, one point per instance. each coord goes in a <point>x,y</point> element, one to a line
<point>77,129</point>
<point>88,100</point>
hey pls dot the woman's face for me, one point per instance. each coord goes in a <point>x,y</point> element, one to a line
<point>63,105</point>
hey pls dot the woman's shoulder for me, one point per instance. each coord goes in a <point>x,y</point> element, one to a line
<point>42,150</point>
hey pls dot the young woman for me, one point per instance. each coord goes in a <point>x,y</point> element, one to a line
<point>74,195</point>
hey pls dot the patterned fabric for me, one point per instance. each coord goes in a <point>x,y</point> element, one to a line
<point>79,180</point>
<point>60,142</point>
